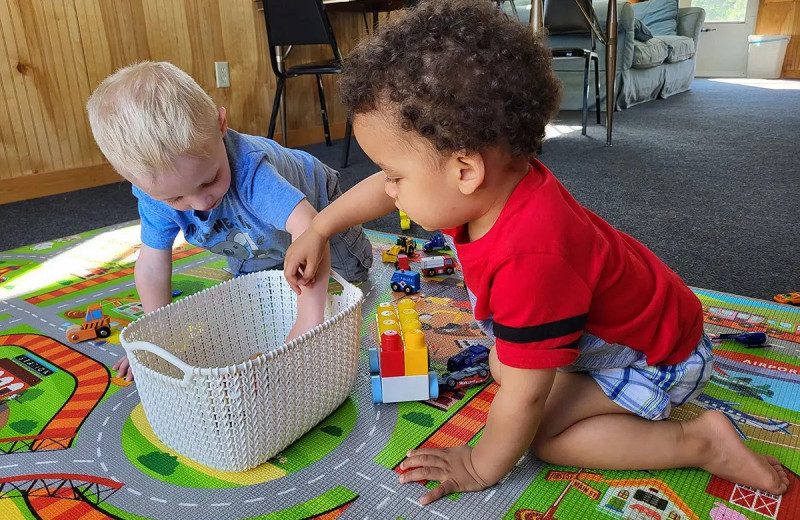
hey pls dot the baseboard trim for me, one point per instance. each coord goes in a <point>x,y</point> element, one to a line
<point>62,181</point>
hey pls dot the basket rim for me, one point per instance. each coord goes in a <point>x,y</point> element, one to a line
<point>263,357</point>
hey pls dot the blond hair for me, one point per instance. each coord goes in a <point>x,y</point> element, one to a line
<point>145,115</point>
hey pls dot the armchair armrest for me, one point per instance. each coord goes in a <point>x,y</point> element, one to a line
<point>690,21</point>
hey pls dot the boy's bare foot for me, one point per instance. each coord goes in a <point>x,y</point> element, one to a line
<point>729,458</point>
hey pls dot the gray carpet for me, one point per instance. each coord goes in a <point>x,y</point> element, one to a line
<point>708,179</point>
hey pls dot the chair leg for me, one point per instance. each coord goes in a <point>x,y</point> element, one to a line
<point>597,86</point>
<point>276,104</point>
<point>514,9</point>
<point>348,132</point>
<point>324,111</point>
<point>585,113</point>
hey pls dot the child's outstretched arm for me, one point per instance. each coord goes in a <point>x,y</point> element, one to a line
<point>367,200</point>
<point>153,276</point>
<point>512,423</point>
<point>311,299</point>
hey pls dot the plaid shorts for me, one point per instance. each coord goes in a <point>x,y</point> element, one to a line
<point>648,391</point>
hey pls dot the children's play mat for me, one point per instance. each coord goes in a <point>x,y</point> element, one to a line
<point>75,442</point>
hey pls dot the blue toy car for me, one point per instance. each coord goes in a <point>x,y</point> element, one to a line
<point>468,357</point>
<point>405,281</point>
<point>468,377</point>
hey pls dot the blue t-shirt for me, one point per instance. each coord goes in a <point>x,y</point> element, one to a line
<point>249,224</point>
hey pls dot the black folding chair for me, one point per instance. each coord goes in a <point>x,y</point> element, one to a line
<point>577,17</point>
<point>301,22</point>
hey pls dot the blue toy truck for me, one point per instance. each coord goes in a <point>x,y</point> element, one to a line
<point>436,242</point>
<point>405,281</point>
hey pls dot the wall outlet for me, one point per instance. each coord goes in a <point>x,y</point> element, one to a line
<point>223,74</point>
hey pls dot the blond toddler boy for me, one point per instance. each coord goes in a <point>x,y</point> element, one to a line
<point>240,196</point>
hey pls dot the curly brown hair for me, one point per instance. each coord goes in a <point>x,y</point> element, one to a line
<point>461,73</point>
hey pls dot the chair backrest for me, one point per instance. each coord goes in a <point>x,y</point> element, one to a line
<point>298,22</point>
<point>567,16</point>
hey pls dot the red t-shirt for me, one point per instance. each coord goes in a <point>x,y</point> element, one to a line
<point>549,270</point>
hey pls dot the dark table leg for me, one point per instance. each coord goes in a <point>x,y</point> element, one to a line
<point>611,66</point>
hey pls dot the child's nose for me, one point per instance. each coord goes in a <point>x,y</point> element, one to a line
<point>203,203</point>
<point>390,190</point>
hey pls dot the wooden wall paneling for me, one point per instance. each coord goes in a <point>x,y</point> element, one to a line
<point>243,38</point>
<point>114,34</point>
<point>71,89</point>
<point>791,64</point>
<point>15,155</point>
<point>44,91</point>
<point>782,17</point>
<point>32,130</point>
<point>55,52</point>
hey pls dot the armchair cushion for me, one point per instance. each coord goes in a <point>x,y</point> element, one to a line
<point>660,16</point>
<point>680,48</point>
<point>640,31</point>
<point>650,53</point>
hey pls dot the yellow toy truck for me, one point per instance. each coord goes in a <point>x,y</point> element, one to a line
<point>404,245</point>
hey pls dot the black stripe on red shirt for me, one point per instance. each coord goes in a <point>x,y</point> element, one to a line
<point>545,331</point>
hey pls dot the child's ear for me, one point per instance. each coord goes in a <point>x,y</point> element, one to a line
<point>223,120</point>
<point>471,171</point>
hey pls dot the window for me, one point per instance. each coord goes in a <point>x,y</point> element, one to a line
<point>723,10</point>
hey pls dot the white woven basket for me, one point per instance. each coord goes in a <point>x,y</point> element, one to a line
<point>207,400</point>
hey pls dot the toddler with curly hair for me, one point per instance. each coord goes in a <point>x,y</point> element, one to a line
<point>595,338</point>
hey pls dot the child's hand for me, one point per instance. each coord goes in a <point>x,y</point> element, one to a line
<point>303,258</point>
<point>451,466</point>
<point>123,368</point>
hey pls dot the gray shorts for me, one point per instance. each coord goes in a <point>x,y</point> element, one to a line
<point>351,252</point>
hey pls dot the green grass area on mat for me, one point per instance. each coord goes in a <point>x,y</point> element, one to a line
<point>99,287</point>
<point>321,440</point>
<point>751,405</point>
<point>58,387</point>
<point>32,416</point>
<point>135,445</point>
<point>188,285</point>
<point>217,263</point>
<point>311,447</point>
<point>5,316</point>
<point>407,435</point>
<point>23,266</point>
<point>57,244</point>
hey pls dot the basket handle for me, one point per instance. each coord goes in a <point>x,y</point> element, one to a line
<point>181,365</point>
<point>339,278</point>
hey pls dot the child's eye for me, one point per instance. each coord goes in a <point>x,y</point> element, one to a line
<point>207,184</point>
<point>174,201</point>
<point>392,180</point>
